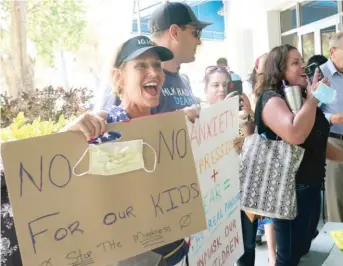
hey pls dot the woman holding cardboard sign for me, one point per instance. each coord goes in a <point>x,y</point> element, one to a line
<point>137,79</point>
<point>217,81</point>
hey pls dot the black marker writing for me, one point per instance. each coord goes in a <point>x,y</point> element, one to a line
<point>46,263</point>
<point>185,221</point>
<point>68,167</point>
<point>172,198</point>
<point>77,258</point>
<point>23,171</point>
<point>112,217</point>
<point>41,232</point>
<point>187,192</point>
<point>109,245</point>
<point>38,183</point>
<point>182,142</point>
<point>172,205</point>
<point>178,141</point>
<point>59,234</point>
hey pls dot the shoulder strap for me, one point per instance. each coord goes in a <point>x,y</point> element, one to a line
<point>261,128</point>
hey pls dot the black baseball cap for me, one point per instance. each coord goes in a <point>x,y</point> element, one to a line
<point>174,13</point>
<point>137,46</point>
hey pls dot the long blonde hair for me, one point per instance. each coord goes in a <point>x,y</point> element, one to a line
<point>117,90</point>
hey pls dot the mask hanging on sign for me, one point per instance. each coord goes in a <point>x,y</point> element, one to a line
<point>113,158</point>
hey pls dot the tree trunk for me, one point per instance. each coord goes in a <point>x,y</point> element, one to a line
<point>18,67</point>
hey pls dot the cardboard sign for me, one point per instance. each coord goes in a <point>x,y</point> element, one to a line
<point>338,238</point>
<point>62,219</point>
<point>217,164</point>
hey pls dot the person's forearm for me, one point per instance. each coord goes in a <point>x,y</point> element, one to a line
<point>304,120</point>
<point>334,153</point>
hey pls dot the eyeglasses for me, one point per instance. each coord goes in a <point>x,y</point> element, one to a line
<point>195,31</point>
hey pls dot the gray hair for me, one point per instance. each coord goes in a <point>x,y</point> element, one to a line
<point>335,40</point>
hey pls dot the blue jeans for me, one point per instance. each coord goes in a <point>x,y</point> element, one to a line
<point>293,237</point>
<point>316,212</point>
<point>249,230</point>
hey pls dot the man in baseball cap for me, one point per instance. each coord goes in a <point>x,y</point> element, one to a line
<point>175,13</point>
<point>175,26</point>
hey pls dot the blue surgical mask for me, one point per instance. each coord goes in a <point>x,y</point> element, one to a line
<point>324,93</point>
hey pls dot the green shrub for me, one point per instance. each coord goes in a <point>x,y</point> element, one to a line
<point>22,129</point>
<point>48,104</point>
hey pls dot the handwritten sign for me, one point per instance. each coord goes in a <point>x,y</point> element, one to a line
<point>62,219</point>
<point>217,167</point>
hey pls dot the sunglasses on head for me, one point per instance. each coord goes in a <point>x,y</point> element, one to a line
<point>211,69</point>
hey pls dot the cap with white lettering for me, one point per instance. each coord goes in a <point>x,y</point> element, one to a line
<point>137,46</point>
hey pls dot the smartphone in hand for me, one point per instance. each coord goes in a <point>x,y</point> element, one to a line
<point>311,69</point>
<point>235,86</point>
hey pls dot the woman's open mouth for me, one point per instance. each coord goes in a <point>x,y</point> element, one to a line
<point>151,88</point>
<point>303,75</point>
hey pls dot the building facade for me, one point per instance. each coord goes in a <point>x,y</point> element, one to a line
<point>255,27</point>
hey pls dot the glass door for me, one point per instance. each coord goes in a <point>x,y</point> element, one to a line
<point>308,45</point>
<point>314,38</point>
<point>325,35</point>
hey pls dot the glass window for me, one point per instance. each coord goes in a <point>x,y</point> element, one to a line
<point>288,19</point>
<point>308,45</point>
<point>291,39</point>
<point>204,10</point>
<point>325,35</point>
<point>311,11</point>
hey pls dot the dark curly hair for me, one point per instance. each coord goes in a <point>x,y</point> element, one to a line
<point>276,64</point>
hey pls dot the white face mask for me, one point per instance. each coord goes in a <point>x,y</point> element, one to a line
<point>113,158</point>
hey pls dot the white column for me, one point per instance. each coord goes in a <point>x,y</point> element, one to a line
<point>274,29</point>
<point>251,30</point>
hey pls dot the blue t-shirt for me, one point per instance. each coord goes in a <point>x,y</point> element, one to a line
<point>176,94</point>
